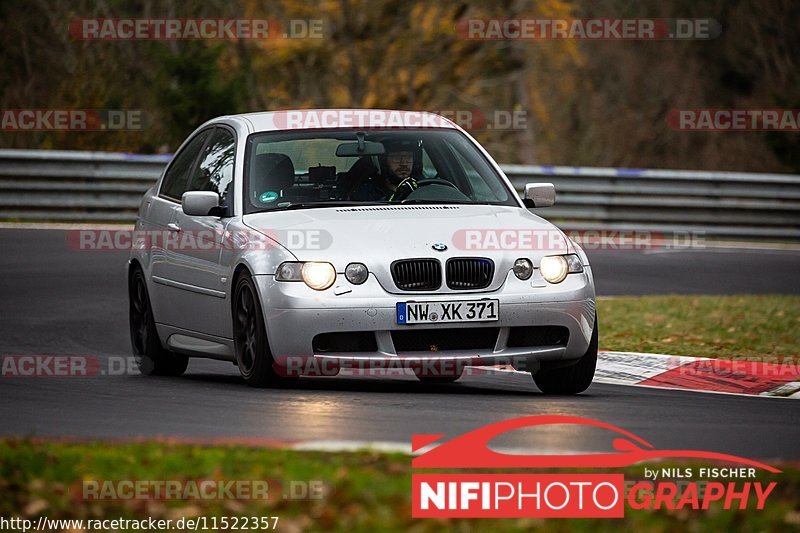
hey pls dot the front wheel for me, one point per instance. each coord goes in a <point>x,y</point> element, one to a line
<point>570,379</point>
<point>151,357</point>
<point>253,356</point>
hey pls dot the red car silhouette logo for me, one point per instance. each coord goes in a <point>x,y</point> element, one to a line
<point>471,450</point>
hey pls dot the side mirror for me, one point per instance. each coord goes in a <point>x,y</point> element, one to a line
<point>539,195</point>
<point>199,203</point>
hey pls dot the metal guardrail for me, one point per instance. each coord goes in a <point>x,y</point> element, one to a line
<point>100,186</point>
<point>718,204</point>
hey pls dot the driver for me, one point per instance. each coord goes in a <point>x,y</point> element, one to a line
<point>398,180</point>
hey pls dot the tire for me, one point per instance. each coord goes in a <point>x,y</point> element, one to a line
<point>253,356</point>
<point>571,379</point>
<point>151,357</point>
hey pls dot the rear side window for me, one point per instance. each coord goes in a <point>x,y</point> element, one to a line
<point>177,177</point>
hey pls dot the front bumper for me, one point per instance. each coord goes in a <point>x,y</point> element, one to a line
<point>295,314</point>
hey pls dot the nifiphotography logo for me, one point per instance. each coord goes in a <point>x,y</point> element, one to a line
<point>520,493</point>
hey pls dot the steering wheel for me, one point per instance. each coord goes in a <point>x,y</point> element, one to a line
<point>437,181</point>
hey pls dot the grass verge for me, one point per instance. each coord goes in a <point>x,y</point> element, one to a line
<point>364,491</point>
<point>729,327</point>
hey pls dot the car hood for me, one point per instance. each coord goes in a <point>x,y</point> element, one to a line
<point>371,234</point>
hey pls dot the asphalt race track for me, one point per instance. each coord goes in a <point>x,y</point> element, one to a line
<point>56,300</point>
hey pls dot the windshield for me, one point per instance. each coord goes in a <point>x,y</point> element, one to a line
<point>299,170</point>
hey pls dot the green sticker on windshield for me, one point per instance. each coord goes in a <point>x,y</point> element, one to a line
<point>269,196</point>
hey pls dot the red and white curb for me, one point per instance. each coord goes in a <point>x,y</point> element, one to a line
<point>700,374</point>
<point>704,374</point>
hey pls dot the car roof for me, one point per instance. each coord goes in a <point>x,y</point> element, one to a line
<point>300,119</point>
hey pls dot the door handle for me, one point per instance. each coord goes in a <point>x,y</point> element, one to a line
<point>172,226</point>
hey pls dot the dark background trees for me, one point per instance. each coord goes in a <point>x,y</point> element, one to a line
<point>599,103</point>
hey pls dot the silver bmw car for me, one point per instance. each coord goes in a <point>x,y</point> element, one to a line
<point>304,242</point>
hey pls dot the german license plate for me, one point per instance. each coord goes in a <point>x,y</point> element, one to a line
<point>448,312</point>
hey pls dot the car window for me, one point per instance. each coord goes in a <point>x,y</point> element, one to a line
<point>279,164</point>
<point>306,154</point>
<point>480,189</point>
<point>428,170</point>
<point>485,185</point>
<point>215,170</point>
<point>177,176</point>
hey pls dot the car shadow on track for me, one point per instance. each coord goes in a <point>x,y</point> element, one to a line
<point>505,384</point>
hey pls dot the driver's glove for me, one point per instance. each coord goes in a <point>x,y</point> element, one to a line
<point>406,187</point>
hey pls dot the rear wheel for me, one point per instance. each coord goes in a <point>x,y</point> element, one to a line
<point>151,357</point>
<point>570,379</point>
<point>253,355</point>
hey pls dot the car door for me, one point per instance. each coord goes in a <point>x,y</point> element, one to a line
<point>162,230</point>
<point>201,301</point>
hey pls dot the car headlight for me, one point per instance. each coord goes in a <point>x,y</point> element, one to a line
<point>289,271</point>
<point>316,274</point>
<point>523,268</point>
<point>554,268</point>
<point>356,273</point>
